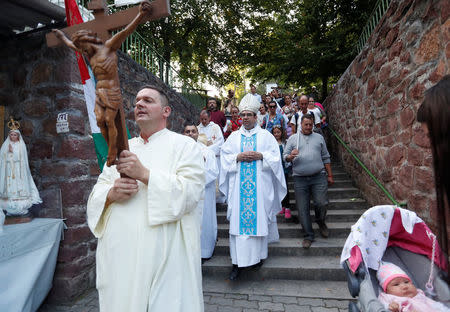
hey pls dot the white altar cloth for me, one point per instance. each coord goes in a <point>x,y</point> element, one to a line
<point>27,262</point>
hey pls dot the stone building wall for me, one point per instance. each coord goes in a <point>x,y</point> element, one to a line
<point>374,105</point>
<point>37,83</point>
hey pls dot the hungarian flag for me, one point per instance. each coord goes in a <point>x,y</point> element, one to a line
<point>87,78</point>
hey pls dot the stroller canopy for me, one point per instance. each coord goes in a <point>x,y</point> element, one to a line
<point>384,226</point>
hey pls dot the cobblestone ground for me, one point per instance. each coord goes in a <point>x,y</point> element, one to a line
<point>218,302</point>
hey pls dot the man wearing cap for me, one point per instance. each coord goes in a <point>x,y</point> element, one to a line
<point>252,178</point>
<point>206,207</point>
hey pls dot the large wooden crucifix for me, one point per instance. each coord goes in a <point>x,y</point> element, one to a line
<point>93,39</point>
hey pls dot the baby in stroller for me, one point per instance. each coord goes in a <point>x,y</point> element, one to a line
<point>400,294</point>
<point>395,235</point>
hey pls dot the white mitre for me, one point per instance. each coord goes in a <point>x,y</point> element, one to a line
<point>249,103</point>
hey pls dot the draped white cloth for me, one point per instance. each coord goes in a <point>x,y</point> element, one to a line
<point>208,205</point>
<point>17,189</point>
<point>247,250</point>
<point>371,233</point>
<point>148,253</point>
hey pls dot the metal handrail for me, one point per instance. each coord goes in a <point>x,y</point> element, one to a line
<point>377,182</point>
<point>147,56</point>
<point>380,8</point>
<point>139,49</point>
<point>82,5</point>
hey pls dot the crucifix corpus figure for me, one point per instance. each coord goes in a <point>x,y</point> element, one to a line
<point>103,59</point>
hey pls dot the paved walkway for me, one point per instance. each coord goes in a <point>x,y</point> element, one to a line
<point>219,302</point>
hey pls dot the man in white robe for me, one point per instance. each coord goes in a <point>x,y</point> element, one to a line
<point>147,224</point>
<point>212,132</point>
<point>215,140</point>
<point>208,205</point>
<point>252,178</point>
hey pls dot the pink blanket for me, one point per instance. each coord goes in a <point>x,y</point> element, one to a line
<point>419,303</point>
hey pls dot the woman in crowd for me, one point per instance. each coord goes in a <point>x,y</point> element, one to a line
<point>280,135</point>
<point>262,113</point>
<point>288,113</point>
<point>434,115</point>
<point>234,123</point>
<point>273,118</point>
<point>227,108</point>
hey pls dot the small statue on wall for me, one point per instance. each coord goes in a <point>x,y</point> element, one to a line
<point>18,191</point>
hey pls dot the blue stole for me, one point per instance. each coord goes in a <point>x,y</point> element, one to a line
<point>248,203</point>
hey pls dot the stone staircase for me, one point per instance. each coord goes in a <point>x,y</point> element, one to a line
<point>289,269</point>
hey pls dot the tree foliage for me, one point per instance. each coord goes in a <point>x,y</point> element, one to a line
<point>290,41</point>
<point>313,41</point>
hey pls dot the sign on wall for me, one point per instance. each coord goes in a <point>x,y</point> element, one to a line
<point>62,123</point>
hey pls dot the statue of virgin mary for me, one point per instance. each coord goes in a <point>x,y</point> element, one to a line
<point>17,189</point>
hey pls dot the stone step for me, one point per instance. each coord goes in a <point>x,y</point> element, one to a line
<point>351,215</point>
<point>281,267</point>
<point>341,174</point>
<point>337,184</point>
<point>337,175</point>
<point>339,192</point>
<point>317,290</point>
<point>348,215</point>
<point>334,203</point>
<point>292,230</point>
<point>292,247</point>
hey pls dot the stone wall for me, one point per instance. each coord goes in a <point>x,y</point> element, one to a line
<point>37,83</point>
<point>374,105</point>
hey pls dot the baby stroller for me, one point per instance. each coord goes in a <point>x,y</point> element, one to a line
<point>396,235</point>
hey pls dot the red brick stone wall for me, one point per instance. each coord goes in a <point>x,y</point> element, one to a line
<point>374,105</point>
<point>37,83</point>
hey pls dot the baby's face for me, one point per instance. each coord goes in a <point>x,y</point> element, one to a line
<point>401,287</point>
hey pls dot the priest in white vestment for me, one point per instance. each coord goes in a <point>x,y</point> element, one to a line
<point>212,132</point>
<point>147,224</point>
<point>208,205</point>
<point>252,178</point>
<point>215,140</point>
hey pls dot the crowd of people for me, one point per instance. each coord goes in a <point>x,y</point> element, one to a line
<point>154,212</point>
<point>257,146</point>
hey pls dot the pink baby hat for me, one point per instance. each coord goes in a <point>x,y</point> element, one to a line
<point>387,272</point>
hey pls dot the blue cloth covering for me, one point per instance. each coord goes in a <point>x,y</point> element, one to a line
<point>28,253</point>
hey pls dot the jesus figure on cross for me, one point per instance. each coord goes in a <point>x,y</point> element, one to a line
<point>103,60</point>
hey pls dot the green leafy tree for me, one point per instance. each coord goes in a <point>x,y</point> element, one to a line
<point>313,41</point>
<point>293,42</point>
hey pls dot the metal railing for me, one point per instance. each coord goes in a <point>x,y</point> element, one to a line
<point>82,6</point>
<point>380,8</point>
<point>143,53</point>
<point>377,182</point>
<point>147,56</point>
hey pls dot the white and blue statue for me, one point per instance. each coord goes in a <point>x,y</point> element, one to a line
<point>18,191</point>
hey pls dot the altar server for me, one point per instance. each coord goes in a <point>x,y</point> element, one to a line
<point>147,224</point>
<point>208,205</point>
